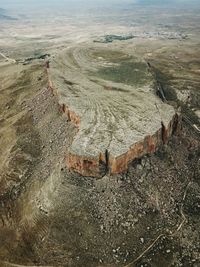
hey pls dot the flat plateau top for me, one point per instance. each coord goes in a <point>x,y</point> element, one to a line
<point>112,93</point>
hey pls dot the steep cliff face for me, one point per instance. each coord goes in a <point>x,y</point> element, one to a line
<point>84,165</point>
<point>106,162</point>
<point>71,115</point>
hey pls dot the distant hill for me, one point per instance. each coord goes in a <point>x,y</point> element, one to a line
<point>169,2</point>
<point>4,16</point>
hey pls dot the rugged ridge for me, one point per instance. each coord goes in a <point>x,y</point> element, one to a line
<point>97,149</point>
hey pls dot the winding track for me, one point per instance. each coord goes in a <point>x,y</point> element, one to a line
<point>7,58</point>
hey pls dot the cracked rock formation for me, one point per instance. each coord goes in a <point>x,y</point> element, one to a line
<point>109,95</point>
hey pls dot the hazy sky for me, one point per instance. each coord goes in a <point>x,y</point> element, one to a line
<point>10,3</point>
<point>73,2</point>
<point>84,3</point>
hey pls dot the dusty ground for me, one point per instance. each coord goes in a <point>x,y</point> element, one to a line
<point>50,216</point>
<point>148,216</point>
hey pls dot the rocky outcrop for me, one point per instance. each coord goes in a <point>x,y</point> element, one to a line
<point>71,115</point>
<point>106,162</point>
<point>117,122</point>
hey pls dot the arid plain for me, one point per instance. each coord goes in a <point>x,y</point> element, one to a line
<point>123,70</point>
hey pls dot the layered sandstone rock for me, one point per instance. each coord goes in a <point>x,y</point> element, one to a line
<point>100,165</point>
<point>110,97</point>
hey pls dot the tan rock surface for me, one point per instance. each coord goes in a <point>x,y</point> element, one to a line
<point>110,96</point>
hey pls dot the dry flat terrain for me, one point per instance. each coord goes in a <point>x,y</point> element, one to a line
<point>105,67</point>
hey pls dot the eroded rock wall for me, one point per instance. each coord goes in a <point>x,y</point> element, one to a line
<point>98,166</point>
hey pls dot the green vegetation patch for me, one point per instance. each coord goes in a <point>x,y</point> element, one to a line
<point>128,72</point>
<point>110,38</point>
<point>112,56</point>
